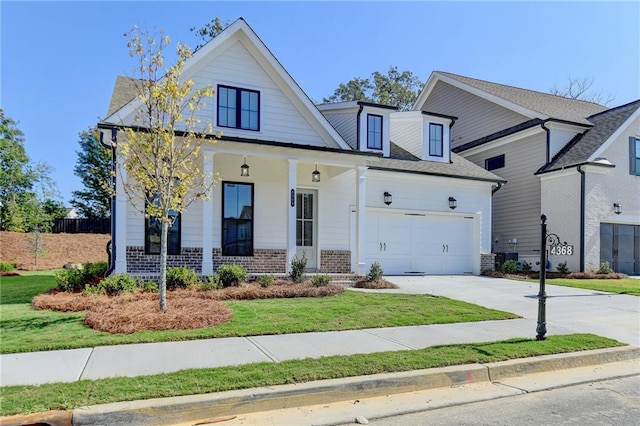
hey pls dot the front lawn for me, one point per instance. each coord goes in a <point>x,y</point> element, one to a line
<point>622,286</point>
<point>21,289</point>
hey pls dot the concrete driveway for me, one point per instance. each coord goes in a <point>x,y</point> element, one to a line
<point>581,311</point>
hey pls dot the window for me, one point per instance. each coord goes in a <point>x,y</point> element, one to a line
<point>374,131</point>
<point>237,219</point>
<point>153,234</point>
<point>634,156</point>
<point>238,108</point>
<point>435,140</point>
<point>494,162</point>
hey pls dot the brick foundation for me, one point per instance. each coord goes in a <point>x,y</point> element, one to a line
<point>487,262</point>
<point>263,260</point>
<point>335,261</point>
<point>139,263</point>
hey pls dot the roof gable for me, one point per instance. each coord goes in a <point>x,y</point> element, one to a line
<point>206,66</point>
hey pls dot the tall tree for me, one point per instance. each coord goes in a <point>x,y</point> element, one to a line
<point>93,167</point>
<point>580,88</point>
<point>396,88</point>
<point>209,31</point>
<point>165,171</point>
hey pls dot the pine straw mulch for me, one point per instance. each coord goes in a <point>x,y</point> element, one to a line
<point>186,308</point>
<point>378,284</point>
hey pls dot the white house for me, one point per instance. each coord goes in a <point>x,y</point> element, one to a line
<point>574,161</point>
<point>342,182</point>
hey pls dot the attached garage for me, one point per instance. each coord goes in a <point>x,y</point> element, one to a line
<point>421,243</point>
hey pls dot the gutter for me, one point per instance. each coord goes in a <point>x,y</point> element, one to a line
<point>111,245</point>
<point>583,179</point>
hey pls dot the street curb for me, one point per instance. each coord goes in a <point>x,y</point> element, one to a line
<point>223,404</point>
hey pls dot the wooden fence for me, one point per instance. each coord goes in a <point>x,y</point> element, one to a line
<point>82,226</point>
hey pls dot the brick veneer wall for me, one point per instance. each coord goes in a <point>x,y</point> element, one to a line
<point>149,264</point>
<point>487,262</point>
<point>263,260</point>
<point>335,261</point>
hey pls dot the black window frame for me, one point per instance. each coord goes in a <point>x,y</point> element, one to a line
<point>369,144</point>
<point>634,156</point>
<point>238,108</point>
<point>223,244</point>
<point>490,163</point>
<point>441,147</point>
<point>172,249</point>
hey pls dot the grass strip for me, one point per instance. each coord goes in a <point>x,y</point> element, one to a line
<point>64,396</point>
<point>28,330</point>
<point>629,286</point>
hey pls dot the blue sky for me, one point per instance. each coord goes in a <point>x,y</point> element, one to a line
<point>59,60</point>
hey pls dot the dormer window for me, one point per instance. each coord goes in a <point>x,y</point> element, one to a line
<point>374,131</point>
<point>238,108</point>
<point>435,140</point>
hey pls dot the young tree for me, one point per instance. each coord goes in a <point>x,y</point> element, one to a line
<point>93,167</point>
<point>396,88</point>
<point>165,170</point>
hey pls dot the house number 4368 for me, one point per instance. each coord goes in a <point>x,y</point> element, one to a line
<point>562,250</point>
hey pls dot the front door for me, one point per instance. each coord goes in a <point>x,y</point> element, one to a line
<point>620,247</point>
<point>306,226</point>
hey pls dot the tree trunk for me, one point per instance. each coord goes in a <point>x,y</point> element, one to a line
<point>163,265</point>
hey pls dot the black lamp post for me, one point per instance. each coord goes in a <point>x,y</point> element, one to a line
<point>541,329</point>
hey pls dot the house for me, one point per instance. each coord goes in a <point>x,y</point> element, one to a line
<point>342,183</point>
<point>71,213</point>
<point>574,161</point>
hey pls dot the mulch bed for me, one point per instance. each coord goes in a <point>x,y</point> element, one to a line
<point>375,285</point>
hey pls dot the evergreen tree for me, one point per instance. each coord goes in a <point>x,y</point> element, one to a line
<point>93,167</point>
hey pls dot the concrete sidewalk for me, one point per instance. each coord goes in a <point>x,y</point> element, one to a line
<point>569,310</point>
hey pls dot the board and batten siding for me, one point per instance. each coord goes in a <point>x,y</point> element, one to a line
<point>477,117</point>
<point>516,206</point>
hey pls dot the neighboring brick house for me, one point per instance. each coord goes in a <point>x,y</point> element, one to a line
<point>577,162</point>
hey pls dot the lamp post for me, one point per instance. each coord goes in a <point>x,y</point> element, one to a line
<point>541,329</point>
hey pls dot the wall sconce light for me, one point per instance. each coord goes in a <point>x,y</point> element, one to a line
<point>244,169</point>
<point>315,175</point>
<point>617,208</point>
<point>453,203</point>
<point>387,198</point>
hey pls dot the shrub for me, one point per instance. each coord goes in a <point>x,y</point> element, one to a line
<point>375,271</point>
<point>605,268</point>
<point>113,285</point>
<point>266,280</point>
<point>562,267</point>
<point>182,277</point>
<point>70,280</point>
<point>231,275</point>
<point>7,267</point>
<point>212,283</point>
<point>510,267</point>
<point>298,265</point>
<point>526,266</point>
<point>92,272</point>
<point>150,287</point>
<point>320,280</point>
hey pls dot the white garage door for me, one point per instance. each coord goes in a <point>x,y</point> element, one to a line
<point>418,243</point>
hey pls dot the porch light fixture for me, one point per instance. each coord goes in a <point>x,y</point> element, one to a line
<point>453,203</point>
<point>315,175</point>
<point>617,208</point>
<point>244,169</point>
<point>387,198</point>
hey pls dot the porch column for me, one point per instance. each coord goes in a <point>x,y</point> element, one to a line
<point>207,218</point>
<point>361,219</point>
<point>121,221</point>
<point>292,182</point>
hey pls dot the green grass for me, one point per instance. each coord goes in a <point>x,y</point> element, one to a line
<point>61,396</point>
<point>622,286</point>
<point>26,330</point>
<point>50,272</point>
<point>21,289</point>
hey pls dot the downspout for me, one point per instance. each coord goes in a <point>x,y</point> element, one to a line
<point>358,127</point>
<point>583,180</point>
<point>548,142</point>
<point>497,188</point>
<point>453,121</point>
<point>111,245</point>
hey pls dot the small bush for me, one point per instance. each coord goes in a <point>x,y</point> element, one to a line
<point>70,280</point>
<point>113,285</point>
<point>298,265</point>
<point>562,267</point>
<point>212,283</point>
<point>375,271</point>
<point>605,268</point>
<point>7,267</point>
<point>150,287</point>
<point>231,275</point>
<point>510,267</point>
<point>320,280</point>
<point>266,280</point>
<point>182,277</point>
<point>526,266</point>
<point>92,272</point>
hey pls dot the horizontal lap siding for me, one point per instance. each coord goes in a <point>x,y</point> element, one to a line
<point>408,134</point>
<point>477,117</point>
<point>346,125</point>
